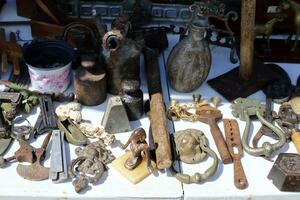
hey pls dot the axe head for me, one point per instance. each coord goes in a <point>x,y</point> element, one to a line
<point>33,172</point>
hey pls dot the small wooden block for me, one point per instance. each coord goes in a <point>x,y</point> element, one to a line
<point>136,175</point>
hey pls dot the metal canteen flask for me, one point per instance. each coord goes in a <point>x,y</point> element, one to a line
<point>189,61</point>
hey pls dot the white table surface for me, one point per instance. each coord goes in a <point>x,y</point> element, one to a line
<point>161,186</point>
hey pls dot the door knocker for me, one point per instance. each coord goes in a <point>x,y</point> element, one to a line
<point>191,148</point>
<point>245,108</point>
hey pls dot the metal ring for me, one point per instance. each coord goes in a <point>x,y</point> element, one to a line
<point>20,131</point>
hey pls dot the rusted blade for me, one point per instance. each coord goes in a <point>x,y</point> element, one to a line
<point>33,172</point>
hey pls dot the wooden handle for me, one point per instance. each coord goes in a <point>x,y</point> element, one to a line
<point>160,132</point>
<point>220,143</point>
<point>296,140</point>
<point>247,38</point>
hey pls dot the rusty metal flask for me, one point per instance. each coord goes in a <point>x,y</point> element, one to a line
<point>189,61</point>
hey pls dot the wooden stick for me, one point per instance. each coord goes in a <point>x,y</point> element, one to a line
<point>247,38</point>
<point>158,118</point>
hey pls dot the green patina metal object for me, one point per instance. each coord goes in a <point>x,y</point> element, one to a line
<point>244,109</point>
<point>191,148</point>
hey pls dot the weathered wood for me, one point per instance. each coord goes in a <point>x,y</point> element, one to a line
<point>247,38</point>
<point>158,118</point>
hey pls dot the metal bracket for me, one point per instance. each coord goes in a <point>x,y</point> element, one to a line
<point>58,168</point>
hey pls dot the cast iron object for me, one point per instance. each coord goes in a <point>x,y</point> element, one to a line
<point>233,140</point>
<point>288,121</point>
<point>158,119</point>
<point>115,119</point>
<point>132,98</point>
<point>231,86</point>
<point>47,119</point>
<point>285,173</point>
<point>35,171</point>
<point>211,116</point>
<point>191,147</point>
<point>90,77</point>
<point>279,90</point>
<point>122,58</point>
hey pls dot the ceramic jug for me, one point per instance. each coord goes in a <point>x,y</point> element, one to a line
<point>189,61</point>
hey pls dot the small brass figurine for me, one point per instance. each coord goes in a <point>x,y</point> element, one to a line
<point>139,148</point>
<point>266,29</point>
<point>295,7</point>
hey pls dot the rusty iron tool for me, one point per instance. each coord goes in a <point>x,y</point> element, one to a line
<point>288,121</point>
<point>58,166</point>
<point>158,119</point>
<point>23,154</point>
<point>233,140</point>
<point>46,120</point>
<point>264,130</point>
<point>210,115</point>
<point>35,171</point>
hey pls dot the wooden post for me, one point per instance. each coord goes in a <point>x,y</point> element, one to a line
<point>247,38</point>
